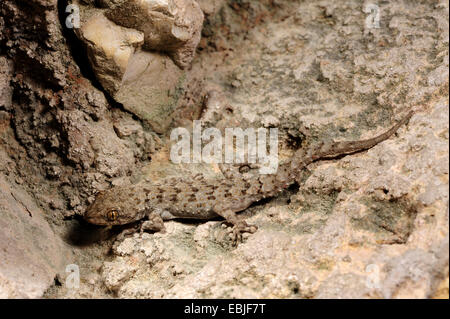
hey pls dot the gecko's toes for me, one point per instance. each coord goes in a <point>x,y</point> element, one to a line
<point>239,229</point>
<point>154,224</point>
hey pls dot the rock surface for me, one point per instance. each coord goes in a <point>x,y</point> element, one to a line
<point>109,48</point>
<point>368,225</point>
<point>31,254</point>
<point>5,78</point>
<point>137,50</point>
<point>172,26</point>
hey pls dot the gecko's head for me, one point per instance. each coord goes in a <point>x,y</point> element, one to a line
<point>118,206</point>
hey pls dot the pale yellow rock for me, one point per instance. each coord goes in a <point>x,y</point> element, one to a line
<point>171,26</point>
<point>117,43</point>
<point>109,48</point>
<point>138,49</point>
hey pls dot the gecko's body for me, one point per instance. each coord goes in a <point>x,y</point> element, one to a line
<point>201,198</point>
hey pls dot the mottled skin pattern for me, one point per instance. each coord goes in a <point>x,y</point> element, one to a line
<point>201,198</point>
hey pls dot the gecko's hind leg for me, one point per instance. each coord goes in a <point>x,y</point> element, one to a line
<point>240,226</point>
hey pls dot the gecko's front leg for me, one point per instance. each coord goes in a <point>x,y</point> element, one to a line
<point>154,223</point>
<point>240,226</point>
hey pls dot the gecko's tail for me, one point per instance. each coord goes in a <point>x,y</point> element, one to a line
<point>303,157</point>
<point>343,148</point>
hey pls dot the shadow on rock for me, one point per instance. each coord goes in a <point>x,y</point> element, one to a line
<point>81,233</point>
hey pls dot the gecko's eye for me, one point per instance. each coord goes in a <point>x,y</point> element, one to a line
<point>112,215</point>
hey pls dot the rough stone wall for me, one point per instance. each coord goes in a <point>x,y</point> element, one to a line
<point>311,68</point>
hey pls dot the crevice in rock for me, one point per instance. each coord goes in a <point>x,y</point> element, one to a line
<point>76,48</point>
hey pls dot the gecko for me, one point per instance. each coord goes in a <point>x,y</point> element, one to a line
<point>202,198</point>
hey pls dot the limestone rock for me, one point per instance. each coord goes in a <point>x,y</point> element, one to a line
<point>5,89</point>
<point>96,145</point>
<point>368,225</point>
<point>31,254</point>
<point>109,48</point>
<point>172,26</point>
<point>150,88</point>
<point>137,50</point>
